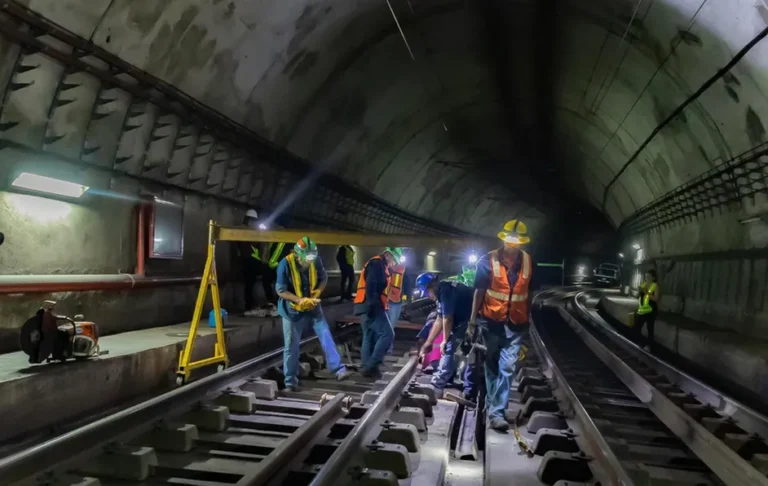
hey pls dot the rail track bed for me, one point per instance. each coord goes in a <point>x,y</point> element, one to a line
<point>587,407</point>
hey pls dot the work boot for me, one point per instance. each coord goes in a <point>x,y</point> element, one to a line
<point>372,373</point>
<point>293,388</point>
<point>343,375</point>
<point>498,423</point>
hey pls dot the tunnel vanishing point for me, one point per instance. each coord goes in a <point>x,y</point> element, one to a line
<point>633,127</point>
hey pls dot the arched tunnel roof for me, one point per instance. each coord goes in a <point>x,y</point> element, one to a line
<point>504,109</point>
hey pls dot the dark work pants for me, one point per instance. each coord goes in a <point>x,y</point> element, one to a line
<point>347,280</point>
<point>250,275</point>
<point>643,320</point>
<point>268,279</point>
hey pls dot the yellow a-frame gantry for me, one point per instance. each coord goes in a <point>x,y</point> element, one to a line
<point>210,278</point>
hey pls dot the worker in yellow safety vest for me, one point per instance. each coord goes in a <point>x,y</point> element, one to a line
<point>500,311</point>
<point>647,308</point>
<point>301,279</point>
<point>371,303</point>
<point>345,258</point>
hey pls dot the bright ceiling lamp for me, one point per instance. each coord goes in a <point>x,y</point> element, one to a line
<point>432,253</point>
<point>38,183</point>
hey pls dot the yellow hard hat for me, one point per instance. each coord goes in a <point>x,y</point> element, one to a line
<point>514,232</point>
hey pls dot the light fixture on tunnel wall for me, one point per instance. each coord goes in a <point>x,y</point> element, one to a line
<point>49,185</point>
<point>262,226</point>
<point>472,258</point>
<point>753,219</point>
<point>432,253</point>
<point>621,255</point>
<point>636,246</point>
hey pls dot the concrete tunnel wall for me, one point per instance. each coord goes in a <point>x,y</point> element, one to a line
<point>333,82</point>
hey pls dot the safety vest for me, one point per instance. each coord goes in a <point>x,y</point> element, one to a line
<point>396,283</point>
<point>645,299</point>
<point>502,303</point>
<point>275,250</point>
<point>296,277</point>
<point>350,255</point>
<point>360,295</point>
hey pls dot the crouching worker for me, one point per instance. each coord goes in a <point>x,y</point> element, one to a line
<point>433,357</point>
<point>301,279</point>
<point>454,306</point>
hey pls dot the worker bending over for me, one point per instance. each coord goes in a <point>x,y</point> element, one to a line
<point>500,311</point>
<point>372,302</point>
<point>301,279</point>
<point>454,306</point>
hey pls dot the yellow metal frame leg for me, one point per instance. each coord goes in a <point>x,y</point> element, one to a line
<point>186,365</point>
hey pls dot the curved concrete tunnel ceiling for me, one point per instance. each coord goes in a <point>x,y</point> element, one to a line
<point>526,109</point>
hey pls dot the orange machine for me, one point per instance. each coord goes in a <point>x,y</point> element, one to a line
<point>50,337</point>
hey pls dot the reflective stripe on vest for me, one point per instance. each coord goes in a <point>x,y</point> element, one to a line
<point>360,294</point>
<point>396,283</point>
<point>644,306</point>
<point>502,303</point>
<point>274,258</point>
<point>296,277</point>
<point>255,253</point>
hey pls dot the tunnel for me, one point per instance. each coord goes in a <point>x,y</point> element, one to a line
<point>625,134</point>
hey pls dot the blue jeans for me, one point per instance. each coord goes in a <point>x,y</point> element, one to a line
<point>377,338</point>
<point>394,315</point>
<point>500,363</point>
<point>292,332</point>
<point>448,362</point>
<point>471,380</point>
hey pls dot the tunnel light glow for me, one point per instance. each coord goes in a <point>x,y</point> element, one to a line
<point>750,220</point>
<point>432,253</point>
<point>621,255</point>
<point>581,270</point>
<point>262,226</point>
<point>636,246</point>
<point>472,258</point>
<point>39,209</point>
<point>34,182</point>
<point>402,259</point>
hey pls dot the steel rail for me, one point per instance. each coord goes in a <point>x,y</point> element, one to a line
<point>596,443</point>
<point>287,450</point>
<point>747,418</point>
<point>336,470</point>
<point>77,444</point>
<point>726,464</point>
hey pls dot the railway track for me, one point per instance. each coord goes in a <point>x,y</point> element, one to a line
<point>587,407</point>
<point>238,428</point>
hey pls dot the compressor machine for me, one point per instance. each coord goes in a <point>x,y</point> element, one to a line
<point>50,337</point>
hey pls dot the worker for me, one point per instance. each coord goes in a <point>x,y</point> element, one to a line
<point>396,297</point>
<point>372,302</point>
<point>274,253</point>
<point>250,263</point>
<point>500,313</point>
<point>648,308</point>
<point>345,257</point>
<point>301,279</point>
<point>454,306</point>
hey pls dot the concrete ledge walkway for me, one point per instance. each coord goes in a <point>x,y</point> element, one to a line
<point>726,355</point>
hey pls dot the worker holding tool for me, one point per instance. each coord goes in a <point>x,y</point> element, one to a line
<point>500,313</point>
<point>301,279</point>
<point>454,306</point>
<point>372,302</point>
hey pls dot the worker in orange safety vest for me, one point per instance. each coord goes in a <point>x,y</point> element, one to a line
<point>500,313</point>
<point>372,303</point>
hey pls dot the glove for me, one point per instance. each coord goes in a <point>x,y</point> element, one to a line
<point>306,304</point>
<point>316,294</point>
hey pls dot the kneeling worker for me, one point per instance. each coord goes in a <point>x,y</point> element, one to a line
<point>500,310</point>
<point>372,302</point>
<point>301,279</point>
<point>454,306</point>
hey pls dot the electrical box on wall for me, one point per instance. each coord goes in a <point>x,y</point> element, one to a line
<point>166,230</point>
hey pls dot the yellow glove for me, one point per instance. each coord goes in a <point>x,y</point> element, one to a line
<point>521,355</point>
<point>316,294</point>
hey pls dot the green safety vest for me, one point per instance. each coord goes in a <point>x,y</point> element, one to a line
<point>350,254</point>
<point>276,251</point>
<point>645,299</point>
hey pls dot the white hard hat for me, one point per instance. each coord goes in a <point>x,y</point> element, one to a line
<point>251,213</point>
